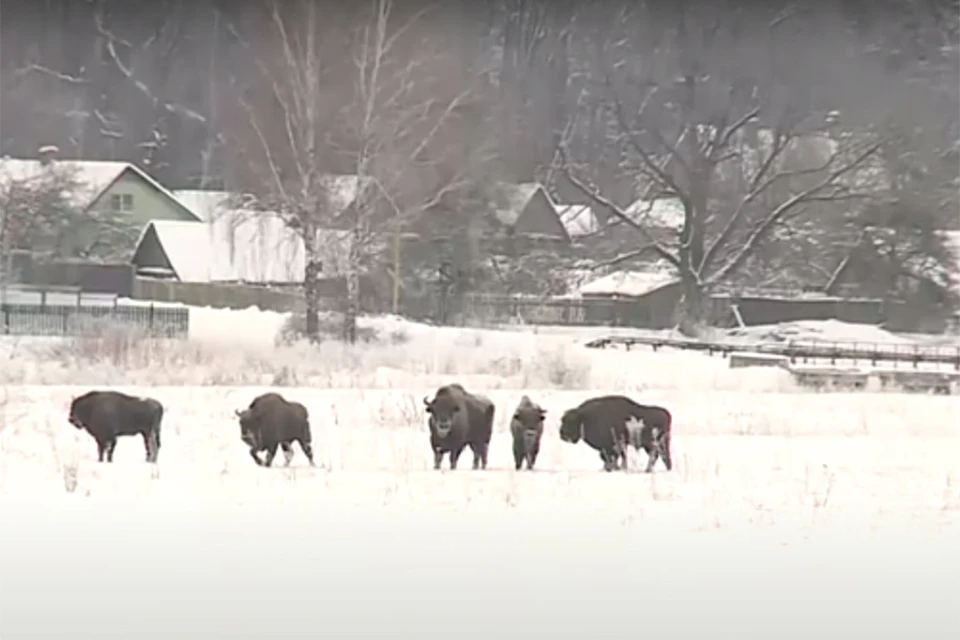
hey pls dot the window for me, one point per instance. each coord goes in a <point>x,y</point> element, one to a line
<point>121,202</point>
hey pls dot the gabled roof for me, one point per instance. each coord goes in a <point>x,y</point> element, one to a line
<point>578,219</point>
<point>631,283</point>
<point>204,203</point>
<point>96,175</point>
<point>511,199</point>
<point>207,203</point>
<point>243,246</point>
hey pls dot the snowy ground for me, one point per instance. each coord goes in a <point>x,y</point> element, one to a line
<point>785,508</point>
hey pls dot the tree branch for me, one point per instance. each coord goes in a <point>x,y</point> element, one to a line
<point>753,239</point>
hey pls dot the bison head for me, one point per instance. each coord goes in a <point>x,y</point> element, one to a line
<point>74,417</point>
<point>571,426</point>
<point>443,412</point>
<point>247,432</point>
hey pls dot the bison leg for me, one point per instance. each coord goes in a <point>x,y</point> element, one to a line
<point>271,454</point>
<point>609,460</point>
<point>256,458</point>
<point>101,450</point>
<point>307,450</point>
<point>454,456</point>
<point>518,456</point>
<point>287,453</point>
<point>437,458</point>
<point>152,445</point>
<point>532,458</point>
<point>654,455</point>
<point>111,446</point>
<point>479,455</point>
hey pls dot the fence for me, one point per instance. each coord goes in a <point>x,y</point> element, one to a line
<point>514,309</point>
<point>872,353</point>
<point>72,320</point>
<point>230,296</point>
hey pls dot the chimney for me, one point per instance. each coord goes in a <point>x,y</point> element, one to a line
<point>47,154</point>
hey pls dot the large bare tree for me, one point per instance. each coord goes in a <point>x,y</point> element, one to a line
<point>365,93</point>
<point>711,108</point>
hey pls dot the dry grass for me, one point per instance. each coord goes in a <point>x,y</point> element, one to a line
<point>392,357</point>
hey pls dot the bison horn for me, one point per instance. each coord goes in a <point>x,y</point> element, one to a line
<point>238,413</point>
<point>426,402</point>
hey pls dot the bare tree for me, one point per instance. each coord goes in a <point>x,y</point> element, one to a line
<point>707,109</point>
<point>44,214</point>
<point>379,119</point>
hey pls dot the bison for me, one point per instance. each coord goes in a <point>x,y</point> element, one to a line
<point>458,419</point>
<point>105,415</point>
<point>526,427</point>
<point>270,422</point>
<point>604,423</point>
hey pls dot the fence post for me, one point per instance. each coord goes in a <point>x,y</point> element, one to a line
<point>150,316</point>
<point>6,318</point>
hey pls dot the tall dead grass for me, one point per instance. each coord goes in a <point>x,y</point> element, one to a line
<point>125,355</point>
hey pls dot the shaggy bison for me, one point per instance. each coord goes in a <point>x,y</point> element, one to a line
<point>270,422</point>
<point>526,427</point>
<point>458,419</point>
<point>105,415</point>
<point>604,423</point>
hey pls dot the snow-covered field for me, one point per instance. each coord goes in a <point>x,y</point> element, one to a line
<point>834,513</point>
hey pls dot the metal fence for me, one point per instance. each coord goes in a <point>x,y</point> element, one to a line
<point>26,319</point>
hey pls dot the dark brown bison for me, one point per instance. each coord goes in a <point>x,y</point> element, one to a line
<point>610,424</point>
<point>526,427</point>
<point>271,422</point>
<point>105,415</point>
<point>458,419</point>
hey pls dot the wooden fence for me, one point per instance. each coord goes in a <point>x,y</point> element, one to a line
<point>70,320</point>
<point>872,353</point>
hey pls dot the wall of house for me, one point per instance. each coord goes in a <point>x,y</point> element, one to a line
<point>149,253</point>
<point>148,203</point>
<point>540,217</point>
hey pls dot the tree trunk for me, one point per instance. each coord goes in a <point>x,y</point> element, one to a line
<point>691,308</point>
<point>311,286</point>
<point>352,307</point>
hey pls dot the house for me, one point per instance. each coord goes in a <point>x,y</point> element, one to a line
<point>241,245</point>
<point>525,209</point>
<point>107,185</point>
<point>237,246</point>
<point>578,219</point>
<point>206,204</point>
<point>643,298</point>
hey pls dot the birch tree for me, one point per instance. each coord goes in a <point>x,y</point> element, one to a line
<point>367,94</point>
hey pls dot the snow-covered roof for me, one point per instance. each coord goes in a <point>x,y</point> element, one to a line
<point>204,203</point>
<point>578,219</point>
<point>96,176</point>
<point>511,199</point>
<point>207,204</point>
<point>244,246</point>
<point>630,283</point>
<point>660,212</point>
